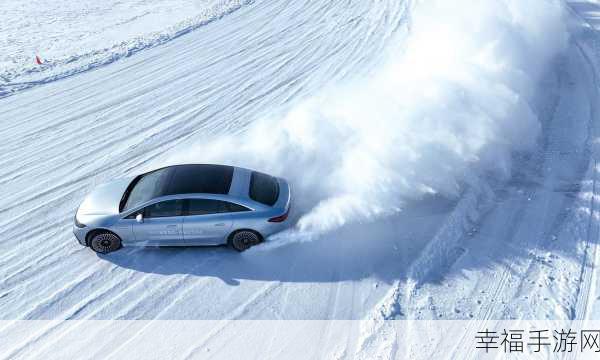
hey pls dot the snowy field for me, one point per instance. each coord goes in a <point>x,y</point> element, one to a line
<point>74,36</point>
<point>442,156</point>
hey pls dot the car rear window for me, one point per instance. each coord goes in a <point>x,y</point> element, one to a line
<point>264,188</point>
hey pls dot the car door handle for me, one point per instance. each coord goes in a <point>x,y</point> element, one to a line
<point>171,226</point>
<point>220,224</point>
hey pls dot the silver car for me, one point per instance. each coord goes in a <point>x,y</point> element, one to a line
<point>184,205</point>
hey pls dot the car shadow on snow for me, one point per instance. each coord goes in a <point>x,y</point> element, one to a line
<point>383,249</point>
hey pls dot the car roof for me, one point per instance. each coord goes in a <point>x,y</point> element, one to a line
<point>223,182</point>
<point>194,178</point>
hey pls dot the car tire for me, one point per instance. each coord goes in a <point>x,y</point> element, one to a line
<point>105,242</point>
<point>244,239</point>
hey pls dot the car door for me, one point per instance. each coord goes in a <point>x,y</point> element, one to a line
<point>207,222</point>
<point>161,224</point>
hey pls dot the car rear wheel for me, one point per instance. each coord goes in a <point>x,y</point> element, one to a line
<point>244,239</point>
<point>105,242</point>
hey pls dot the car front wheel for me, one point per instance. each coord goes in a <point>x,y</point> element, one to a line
<point>105,242</point>
<point>244,239</point>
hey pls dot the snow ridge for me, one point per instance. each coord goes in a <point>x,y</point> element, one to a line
<point>20,72</point>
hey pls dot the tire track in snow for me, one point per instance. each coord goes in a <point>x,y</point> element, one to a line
<point>119,286</point>
<point>192,353</point>
<point>489,310</point>
<point>179,286</point>
<point>591,251</point>
<point>404,295</point>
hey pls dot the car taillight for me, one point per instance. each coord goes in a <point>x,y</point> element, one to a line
<point>280,218</point>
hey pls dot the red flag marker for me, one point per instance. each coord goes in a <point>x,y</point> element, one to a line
<point>38,60</point>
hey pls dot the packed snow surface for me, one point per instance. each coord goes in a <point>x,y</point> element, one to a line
<point>442,157</point>
<point>74,36</point>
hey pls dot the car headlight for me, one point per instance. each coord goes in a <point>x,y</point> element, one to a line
<point>78,224</point>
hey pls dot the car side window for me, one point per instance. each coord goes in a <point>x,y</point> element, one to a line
<point>231,207</point>
<point>208,206</point>
<point>166,208</point>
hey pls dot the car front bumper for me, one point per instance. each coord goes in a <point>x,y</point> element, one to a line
<point>80,234</point>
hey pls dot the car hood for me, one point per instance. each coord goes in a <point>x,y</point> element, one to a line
<point>105,199</point>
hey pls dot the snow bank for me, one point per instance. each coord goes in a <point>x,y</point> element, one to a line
<point>451,105</point>
<point>75,36</point>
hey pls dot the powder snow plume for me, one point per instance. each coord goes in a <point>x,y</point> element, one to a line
<point>452,102</point>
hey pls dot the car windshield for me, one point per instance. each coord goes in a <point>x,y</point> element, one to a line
<point>178,179</point>
<point>146,187</point>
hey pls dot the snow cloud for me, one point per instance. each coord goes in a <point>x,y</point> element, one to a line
<point>453,103</point>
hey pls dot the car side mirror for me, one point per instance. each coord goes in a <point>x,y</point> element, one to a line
<point>139,218</point>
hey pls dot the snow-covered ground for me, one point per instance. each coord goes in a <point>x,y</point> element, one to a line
<point>443,157</point>
<point>74,36</point>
